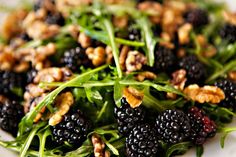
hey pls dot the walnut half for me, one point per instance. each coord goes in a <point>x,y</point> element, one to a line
<point>210,94</point>
<point>63,103</point>
<point>133,97</point>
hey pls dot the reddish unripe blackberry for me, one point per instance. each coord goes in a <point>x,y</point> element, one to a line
<point>229,89</point>
<point>74,58</point>
<point>197,17</point>
<point>128,117</point>
<point>202,127</point>
<point>228,32</point>
<point>11,113</point>
<point>173,126</point>
<point>73,129</point>
<point>164,59</point>
<point>196,71</point>
<point>142,142</point>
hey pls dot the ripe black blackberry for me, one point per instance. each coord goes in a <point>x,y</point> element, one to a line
<point>128,117</point>
<point>140,1</point>
<point>55,18</point>
<point>229,89</point>
<point>134,34</point>
<point>228,32</point>
<point>11,113</point>
<point>164,59</point>
<point>73,129</point>
<point>142,142</point>
<point>31,75</point>
<point>10,81</point>
<point>201,126</point>
<point>38,4</point>
<point>25,37</point>
<point>74,58</point>
<point>173,126</point>
<point>196,71</point>
<point>197,17</point>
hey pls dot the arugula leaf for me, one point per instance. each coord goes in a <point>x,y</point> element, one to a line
<point>225,132</point>
<point>42,139</point>
<point>184,146</point>
<point>118,88</point>
<point>149,39</point>
<point>27,142</point>
<point>110,31</point>
<point>229,66</point>
<point>27,121</point>
<point>84,151</point>
<point>199,151</point>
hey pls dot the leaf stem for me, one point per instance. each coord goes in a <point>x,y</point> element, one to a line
<point>115,50</point>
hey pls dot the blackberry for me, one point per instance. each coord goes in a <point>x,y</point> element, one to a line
<point>229,89</point>
<point>74,58</point>
<point>142,142</point>
<point>31,75</point>
<point>197,17</point>
<point>11,114</point>
<point>164,59</point>
<point>173,126</point>
<point>201,126</point>
<point>228,32</point>
<point>40,4</point>
<point>196,71</point>
<point>134,34</point>
<point>10,82</point>
<point>73,129</point>
<point>55,18</point>
<point>128,117</point>
<point>25,37</point>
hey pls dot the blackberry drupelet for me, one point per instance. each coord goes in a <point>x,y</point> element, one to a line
<point>229,89</point>
<point>197,17</point>
<point>31,75</point>
<point>11,114</point>
<point>173,126</point>
<point>134,34</point>
<point>73,129</point>
<point>55,18</point>
<point>142,142</point>
<point>228,32</point>
<point>10,81</point>
<point>128,117</point>
<point>196,71</point>
<point>164,59</point>
<point>74,58</point>
<point>201,126</point>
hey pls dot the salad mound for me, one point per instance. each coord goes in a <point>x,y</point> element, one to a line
<point>132,78</point>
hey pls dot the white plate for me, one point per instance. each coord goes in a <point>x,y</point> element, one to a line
<point>212,147</point>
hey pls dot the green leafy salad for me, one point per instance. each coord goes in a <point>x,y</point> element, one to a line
<point>127,78</point>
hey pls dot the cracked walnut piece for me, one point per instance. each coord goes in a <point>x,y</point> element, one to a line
<point>135,61</point>
<point>99,147</point>
<point>133,97</point>
<point>63,103</point>
<point>178,81</point>
<point>97,55</point>
<point>146,75</point>
<point>209,94</point>
<point>184,33</point>
<point>232,75</point>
